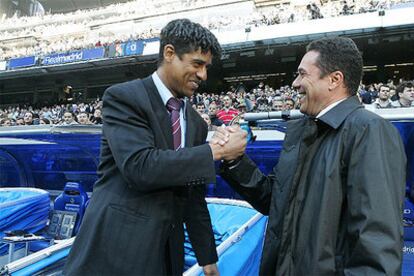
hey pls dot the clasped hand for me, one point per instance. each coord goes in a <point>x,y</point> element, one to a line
<point>228,143</point>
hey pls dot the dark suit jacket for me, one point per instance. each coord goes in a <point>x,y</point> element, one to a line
<point>134,222</point>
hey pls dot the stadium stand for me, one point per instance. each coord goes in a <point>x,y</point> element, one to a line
<point>25,36</point>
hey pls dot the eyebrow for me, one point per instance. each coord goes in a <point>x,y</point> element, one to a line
<point>301,70</point>
<point>197,60</point>
<point>202,62</point>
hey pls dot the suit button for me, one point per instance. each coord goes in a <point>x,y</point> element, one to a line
<point>172,226</point>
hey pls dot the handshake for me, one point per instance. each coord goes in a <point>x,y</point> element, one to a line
<point>228,143</point>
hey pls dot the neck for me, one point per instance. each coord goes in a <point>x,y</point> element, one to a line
<point>164,78</point>
<point>404,102</point>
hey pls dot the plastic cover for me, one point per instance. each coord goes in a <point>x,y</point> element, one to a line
<point>22,209</point>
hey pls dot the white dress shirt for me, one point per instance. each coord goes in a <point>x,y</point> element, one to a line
<point>166,94</point>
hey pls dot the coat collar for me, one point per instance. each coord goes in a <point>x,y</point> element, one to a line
<point>296,129</point>
<point>338,114</point>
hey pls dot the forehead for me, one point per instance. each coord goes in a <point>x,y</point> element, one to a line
<point>309,61</point>
<point>198,55</point>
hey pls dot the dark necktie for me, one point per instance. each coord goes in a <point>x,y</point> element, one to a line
<point>174,106</point>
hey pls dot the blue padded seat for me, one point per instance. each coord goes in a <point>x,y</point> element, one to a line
<point>73,199</point>
<point>69,206</point>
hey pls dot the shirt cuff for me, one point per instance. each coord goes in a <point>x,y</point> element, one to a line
<point>232,163</point>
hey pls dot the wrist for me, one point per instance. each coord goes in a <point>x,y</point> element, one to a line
<point>217,151</point>
<point>233,163</point>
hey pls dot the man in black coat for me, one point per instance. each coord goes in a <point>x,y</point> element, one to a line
<point>147,186</point>
<point>335,198</point>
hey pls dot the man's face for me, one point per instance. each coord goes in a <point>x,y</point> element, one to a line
<point>97,113</point>
<point>227,102</point>
<point>277,105</point>
<point>313,90</point>
<point>288,105</point>
<point>186,73</point>
<point>200,109</point>
<point>383,93</point>
<point>212,109</point>
<point>68,118</point>
<point>408,94</point>
<point>28,118</point>
<point>82,118</point>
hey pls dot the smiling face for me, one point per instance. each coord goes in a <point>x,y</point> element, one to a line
<point>316,92</point>
<point>183,75</point>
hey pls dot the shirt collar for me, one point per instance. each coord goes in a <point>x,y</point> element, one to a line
<point>338,113</point>
<point>329,107</point>
<point>164,92</point>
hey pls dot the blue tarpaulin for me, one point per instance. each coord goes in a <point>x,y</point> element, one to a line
<point>22,209</point>
<point>243,256</point>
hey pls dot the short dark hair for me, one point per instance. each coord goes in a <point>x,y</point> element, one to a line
<point>383,85</point>
<point>400,88</point>
<point>339,54</point>
<point>187,37</point>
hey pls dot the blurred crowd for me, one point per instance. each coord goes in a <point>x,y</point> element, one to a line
<point>83,29</point>
<point>58,114</point>
<point>231,105</point>
<point>216,109</point>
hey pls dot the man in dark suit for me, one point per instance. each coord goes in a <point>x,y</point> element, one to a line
<point>151,180</point>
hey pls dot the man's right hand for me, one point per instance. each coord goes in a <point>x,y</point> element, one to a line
<point>228,143</point>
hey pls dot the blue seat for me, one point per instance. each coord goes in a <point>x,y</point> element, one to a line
<point>73,199</point>
<point>65,220</point>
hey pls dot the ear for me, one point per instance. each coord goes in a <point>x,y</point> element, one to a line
<point>336,80</point>
<point>169,53</point>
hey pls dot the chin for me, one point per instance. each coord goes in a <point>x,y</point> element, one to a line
<point>303,110</point>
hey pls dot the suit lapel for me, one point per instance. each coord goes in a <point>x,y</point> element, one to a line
<point>159,109</point>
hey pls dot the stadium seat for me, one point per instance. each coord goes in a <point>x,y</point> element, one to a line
<point>65,220</point>
<point>73,199</point>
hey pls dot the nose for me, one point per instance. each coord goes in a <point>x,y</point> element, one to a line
<point>295,83</point>
<point>202,73</point>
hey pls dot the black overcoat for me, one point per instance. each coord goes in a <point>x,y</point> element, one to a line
<point>334,199</point>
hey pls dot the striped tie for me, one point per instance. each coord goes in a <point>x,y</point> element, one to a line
<point>174,106</point>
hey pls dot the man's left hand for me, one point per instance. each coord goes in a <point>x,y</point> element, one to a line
<point>211,270</point>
